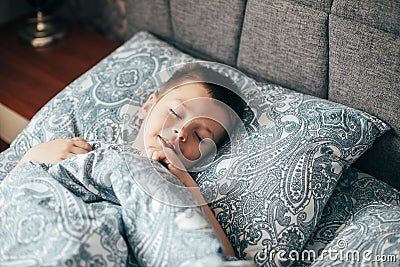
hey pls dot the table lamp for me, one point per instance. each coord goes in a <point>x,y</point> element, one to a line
<point>43,29</point>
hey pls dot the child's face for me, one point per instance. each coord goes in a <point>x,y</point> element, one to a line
<point>184,120</point>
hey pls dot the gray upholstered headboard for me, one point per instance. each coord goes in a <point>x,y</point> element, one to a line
<point>346,51</point>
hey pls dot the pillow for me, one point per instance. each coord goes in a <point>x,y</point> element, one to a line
<point>355,191</point>
<point>269,187</point>
<point>370,237</point>
<point>272,194</point>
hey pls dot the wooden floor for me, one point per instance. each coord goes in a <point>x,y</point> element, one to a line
<point>3,145</point>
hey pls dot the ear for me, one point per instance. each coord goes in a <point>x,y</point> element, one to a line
<point>147,106</point>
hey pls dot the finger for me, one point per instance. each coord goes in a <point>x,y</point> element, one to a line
<point>153,155</point>
<point>78,150</point>
<point>149,152</point>
<point>158,155</point>
<point>66,155</point>
<point>173,160</point>
<point>82,144</point>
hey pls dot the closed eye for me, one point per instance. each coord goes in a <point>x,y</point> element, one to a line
<point>198,137</point>
<point>174,113</point>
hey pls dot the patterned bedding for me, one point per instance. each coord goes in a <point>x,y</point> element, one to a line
<point>109,207</point>
<point>361,222</point>
<point>80,212</point>
<point>92,209</point>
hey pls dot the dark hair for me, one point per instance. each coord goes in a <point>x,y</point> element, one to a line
<point>218,86</point>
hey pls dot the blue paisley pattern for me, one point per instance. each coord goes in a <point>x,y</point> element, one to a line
<point>372,237</point>
<point>271,196</point>
<point>268,186</point>
<point>362,214</point>
<point>88,210</point>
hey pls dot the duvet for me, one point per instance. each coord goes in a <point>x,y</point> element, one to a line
<point>109,207</point>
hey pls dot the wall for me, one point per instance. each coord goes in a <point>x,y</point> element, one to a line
<point>13,9</point>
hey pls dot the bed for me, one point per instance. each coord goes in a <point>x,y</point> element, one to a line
<point>316,170</point>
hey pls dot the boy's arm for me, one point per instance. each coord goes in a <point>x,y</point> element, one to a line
<point>56,150</point>
<point>180,172</point>
<point>188,181</point>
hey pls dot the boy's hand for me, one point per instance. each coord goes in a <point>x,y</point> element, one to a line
<point>168,158</point>
<point>179,171</point>
<point>56,150</point>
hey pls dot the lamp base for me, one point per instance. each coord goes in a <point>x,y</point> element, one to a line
<point>42,30</point>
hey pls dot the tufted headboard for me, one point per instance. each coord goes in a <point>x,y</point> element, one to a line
<point>346,51</point>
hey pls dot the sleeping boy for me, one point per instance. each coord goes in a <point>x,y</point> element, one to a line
<point>193,113</point>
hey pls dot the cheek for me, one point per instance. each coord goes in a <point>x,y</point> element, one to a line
<point>154,122</point>
<point>166,122</point>
<point>190,150</point>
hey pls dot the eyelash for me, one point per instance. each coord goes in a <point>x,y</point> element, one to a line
<point>174,113</point>
<point>198,137</point>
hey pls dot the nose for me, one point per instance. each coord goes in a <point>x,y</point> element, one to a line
<point>181,134</point>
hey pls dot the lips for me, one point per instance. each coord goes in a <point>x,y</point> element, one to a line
<point>166,143</point>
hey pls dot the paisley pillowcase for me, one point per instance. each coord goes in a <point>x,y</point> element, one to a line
<point>269,188</point>
<point>370,236</point>
<point>271,194</point>
<point>356,194</point>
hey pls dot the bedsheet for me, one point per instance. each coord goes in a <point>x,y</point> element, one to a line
<point>109,207</point>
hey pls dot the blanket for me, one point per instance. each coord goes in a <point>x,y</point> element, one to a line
<point>109,207</point>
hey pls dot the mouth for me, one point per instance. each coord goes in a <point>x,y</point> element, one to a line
<point>166,143</point>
